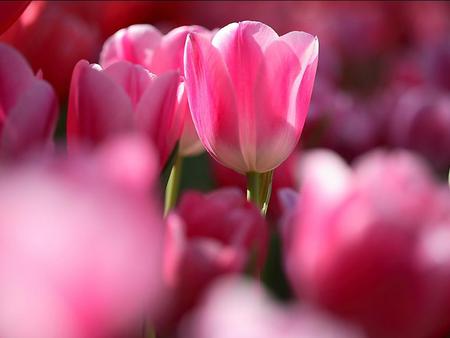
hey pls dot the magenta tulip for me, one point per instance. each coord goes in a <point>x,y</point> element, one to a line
<point>80,252</point>
<point>28,106</point>
<point>236,307</point>
<point>120,98</point>
<point>249,91</point>
<point>209,236</point>
<point>147,46</point>
<point>355,242</point>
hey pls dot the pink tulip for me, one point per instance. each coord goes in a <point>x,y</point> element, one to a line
<point>147,46</point>
<point>28,106</point>
<point>236,307</point>
<point>249,91</point>
<point>209,236</point>
<point>80,252</point>
<point>120,98</point>
<point>354,242</point>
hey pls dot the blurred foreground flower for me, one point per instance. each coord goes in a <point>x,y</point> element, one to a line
<point>147,46</point>
<point>236,307</point>
<point>123,97</point>
<point>28,106</point>
<point>209,236</point>
<point>80,252</point>
<point>372,244</point>
<point>249,91</point>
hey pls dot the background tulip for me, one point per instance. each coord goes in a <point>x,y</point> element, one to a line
<point>80,251</point>
<point>120,98</point>
<point>249,91</point>
<point>226,235</point>
<point>147,46</point>
<point>354,240</point>
<point>10,11</point>
<point>28,106</point>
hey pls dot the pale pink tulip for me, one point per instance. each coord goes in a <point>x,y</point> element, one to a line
<point>236,307</point>
<point>147,46</point>
<point>120,98</point>
<point>28,106</point>
<point>80,252</point>
<point>209,236</point>
<point>355,242</point>
<point>249,91</point>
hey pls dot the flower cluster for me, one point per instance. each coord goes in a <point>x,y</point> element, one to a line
<point>177,180</point>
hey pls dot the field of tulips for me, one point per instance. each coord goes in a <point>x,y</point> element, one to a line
<point>221,169</point>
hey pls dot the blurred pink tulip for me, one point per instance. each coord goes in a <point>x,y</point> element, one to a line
<point>147,46</point>
<point>208,236</point>
<point>354,242</point>
<point>249,91</point>
<point>10,12</point>
<point>340,121</point>
<point>420,121</point>
<point>64,38</point>
<point>80,256</point>
<point>28,106</point>
<point>123,97</point>
<point>237,307</point>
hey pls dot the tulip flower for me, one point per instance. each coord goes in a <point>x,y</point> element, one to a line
<point>10,12</point>
<point>80,252</point>
<point>249,91</point>
<point>355,243</point>
<point>28,106</point>
<point>208,236</point>
<point>236,307</point>
<point>147,46</point>
<point>120,98</point>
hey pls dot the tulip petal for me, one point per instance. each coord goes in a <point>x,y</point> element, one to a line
<point>32,119</point>
<point>304,45</point>
<point>212,101</point>
<point>97,106</point>
<point>156,113</point>
<point>278,132</point>
<point>136,44</point>
<point>169,55</point>
<point>133,78</point>
<point>242,46</point>
<point>15,76</point>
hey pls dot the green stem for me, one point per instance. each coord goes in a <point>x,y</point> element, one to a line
<point>259,186</point>
<point>173,184</point>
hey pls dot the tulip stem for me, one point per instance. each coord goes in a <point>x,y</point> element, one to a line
<point>259,187</point>
<point>173,184</point>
